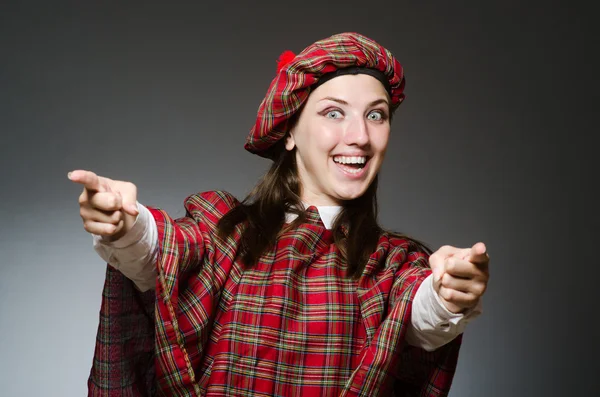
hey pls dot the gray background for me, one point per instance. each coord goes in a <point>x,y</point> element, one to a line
<point>492,144</point>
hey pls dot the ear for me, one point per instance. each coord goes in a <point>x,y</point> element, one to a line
<point>290,143</point>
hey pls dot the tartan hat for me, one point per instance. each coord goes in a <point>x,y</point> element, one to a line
<point>298,74</point>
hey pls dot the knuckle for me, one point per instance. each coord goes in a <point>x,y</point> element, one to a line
<point>109,201</point>
<point>471,301</point>
<point>116,217</point>
<point>446,293</point>
<point>113,201</point>
<point>436,258</point>
<point>480,288</point>
<point>445,279</point>
<point>101,202</point>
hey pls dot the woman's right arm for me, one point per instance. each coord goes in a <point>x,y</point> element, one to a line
<point>124,231</point>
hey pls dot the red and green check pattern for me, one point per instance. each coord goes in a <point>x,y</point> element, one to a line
<point>291,326</point>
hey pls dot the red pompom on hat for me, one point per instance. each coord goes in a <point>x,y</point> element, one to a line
<point>286,57</point>
<point>297,74</point>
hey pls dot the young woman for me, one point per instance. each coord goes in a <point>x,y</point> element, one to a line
<point>296,290</point>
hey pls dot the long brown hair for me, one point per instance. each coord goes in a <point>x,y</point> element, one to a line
<point>278,193</point>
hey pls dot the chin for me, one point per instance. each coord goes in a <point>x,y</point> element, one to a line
<point>351,194</point>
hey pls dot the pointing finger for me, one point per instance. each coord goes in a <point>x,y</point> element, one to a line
<point>479,254</point>
<point>89,180</point>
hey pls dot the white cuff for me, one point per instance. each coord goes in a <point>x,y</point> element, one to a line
<point>134,254</point>
<point>432,324</point>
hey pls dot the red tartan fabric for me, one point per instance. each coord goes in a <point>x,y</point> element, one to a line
<point>291,326</point>
<point>291,86</point>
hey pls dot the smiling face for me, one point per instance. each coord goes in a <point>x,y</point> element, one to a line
<point>340,137</point>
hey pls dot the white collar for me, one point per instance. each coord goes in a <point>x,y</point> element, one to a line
<point>326,212</point>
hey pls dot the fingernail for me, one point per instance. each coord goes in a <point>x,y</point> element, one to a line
<point>69,175</point>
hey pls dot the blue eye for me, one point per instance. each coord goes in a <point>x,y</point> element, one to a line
<point>333,114</point>
<point>375,116</point>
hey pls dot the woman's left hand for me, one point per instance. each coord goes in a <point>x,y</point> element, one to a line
<point>460,275</point>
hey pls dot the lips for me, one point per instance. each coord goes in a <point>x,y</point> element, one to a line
<point>352,171</point>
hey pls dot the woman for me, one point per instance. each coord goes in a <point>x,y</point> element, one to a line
<point>295,291</point>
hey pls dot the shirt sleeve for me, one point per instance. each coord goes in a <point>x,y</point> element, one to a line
<point>135,253</point>
<point>432,324</point>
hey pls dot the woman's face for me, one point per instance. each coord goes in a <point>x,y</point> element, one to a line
<point>341,136</point>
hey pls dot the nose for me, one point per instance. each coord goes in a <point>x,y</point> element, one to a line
<point>356,132</point>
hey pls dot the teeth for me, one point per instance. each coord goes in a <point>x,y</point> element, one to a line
<point>350,160</point>
<point>353,170</point>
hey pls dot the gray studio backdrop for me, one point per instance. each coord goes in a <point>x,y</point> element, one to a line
<point>489,146</point>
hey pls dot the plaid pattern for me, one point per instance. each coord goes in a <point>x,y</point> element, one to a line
<point>291,86</point>
<point>124,357</point>
<point>291,326</point>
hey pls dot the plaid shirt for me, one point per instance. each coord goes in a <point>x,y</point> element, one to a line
<point>291,326</point>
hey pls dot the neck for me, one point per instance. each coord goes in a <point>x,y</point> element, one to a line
<point>310,199</point>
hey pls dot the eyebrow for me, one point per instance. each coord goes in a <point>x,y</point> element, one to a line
<point>341,101</point>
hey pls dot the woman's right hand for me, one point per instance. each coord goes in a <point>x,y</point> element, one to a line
<point>107,207</point>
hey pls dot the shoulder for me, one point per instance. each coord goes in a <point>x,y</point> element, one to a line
<point>211,205</point>
<point>403,249</point>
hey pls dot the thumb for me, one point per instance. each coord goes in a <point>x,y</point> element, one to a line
<point>130,208</point>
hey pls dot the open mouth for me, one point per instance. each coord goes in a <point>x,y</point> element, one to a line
<point>351,164</point>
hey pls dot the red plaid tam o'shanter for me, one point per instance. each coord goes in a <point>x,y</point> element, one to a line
<point>296,75</point>
<point>293,325</point>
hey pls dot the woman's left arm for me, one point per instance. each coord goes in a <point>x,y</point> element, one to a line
<point>449,298</point>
